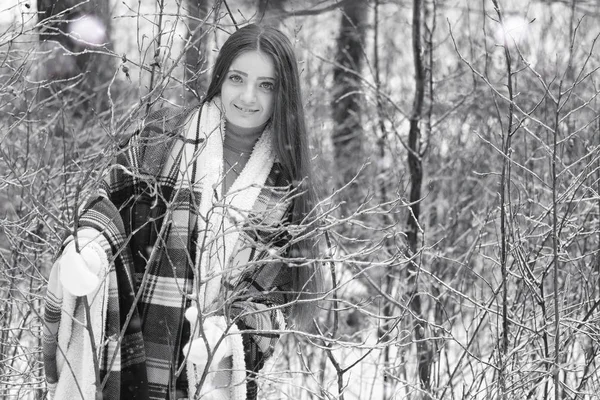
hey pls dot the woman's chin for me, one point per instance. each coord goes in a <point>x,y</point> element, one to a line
<point>246,122</point>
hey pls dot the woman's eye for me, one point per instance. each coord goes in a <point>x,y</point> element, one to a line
<point>267,86</point>
<point>235,78</point>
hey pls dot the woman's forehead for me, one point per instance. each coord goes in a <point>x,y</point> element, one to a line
<point>254,62</point>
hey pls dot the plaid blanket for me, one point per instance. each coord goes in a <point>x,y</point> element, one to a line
<point>150,226</point>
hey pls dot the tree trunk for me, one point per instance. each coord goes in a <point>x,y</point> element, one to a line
<point>195,76</point>
<point>347,132</point>
<point>73,32</point>
<point>415,167</point>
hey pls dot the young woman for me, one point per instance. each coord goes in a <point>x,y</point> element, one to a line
<point>193,254</point>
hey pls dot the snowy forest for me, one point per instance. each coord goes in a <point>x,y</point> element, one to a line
<point>456,152</point>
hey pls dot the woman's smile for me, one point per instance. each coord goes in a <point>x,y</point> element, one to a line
<point>245,110</point>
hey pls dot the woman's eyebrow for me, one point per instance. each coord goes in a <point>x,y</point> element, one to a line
<point>237,71</point>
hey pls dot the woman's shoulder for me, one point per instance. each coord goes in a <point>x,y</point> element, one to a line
<point>279,177</point>
<point>161,123</point>
<point>167,120</point>
<point>149,146</point>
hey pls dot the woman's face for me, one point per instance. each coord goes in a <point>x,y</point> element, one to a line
<point>248,91</point>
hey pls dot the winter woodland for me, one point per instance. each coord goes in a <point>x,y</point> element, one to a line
<point>456,150</point>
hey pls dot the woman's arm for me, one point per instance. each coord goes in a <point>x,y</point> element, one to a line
<point>260,309</point>
<point>103,232</point>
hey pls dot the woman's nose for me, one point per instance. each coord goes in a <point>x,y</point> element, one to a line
<point>249,94</point>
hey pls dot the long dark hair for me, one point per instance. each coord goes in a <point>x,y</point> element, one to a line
<point>290,144</point>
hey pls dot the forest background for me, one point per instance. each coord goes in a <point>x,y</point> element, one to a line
<point>456,151</point>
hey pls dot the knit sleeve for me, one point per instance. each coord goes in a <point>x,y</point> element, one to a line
<point>101,229</point>
<point>104,220</point>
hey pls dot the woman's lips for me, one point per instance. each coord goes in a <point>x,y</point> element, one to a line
<point>244,109</point>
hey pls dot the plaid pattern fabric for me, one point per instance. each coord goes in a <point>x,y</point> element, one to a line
<point>151,227</point>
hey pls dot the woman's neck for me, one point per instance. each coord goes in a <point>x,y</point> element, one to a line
<point>237,148</point>
<point>242,139</point>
